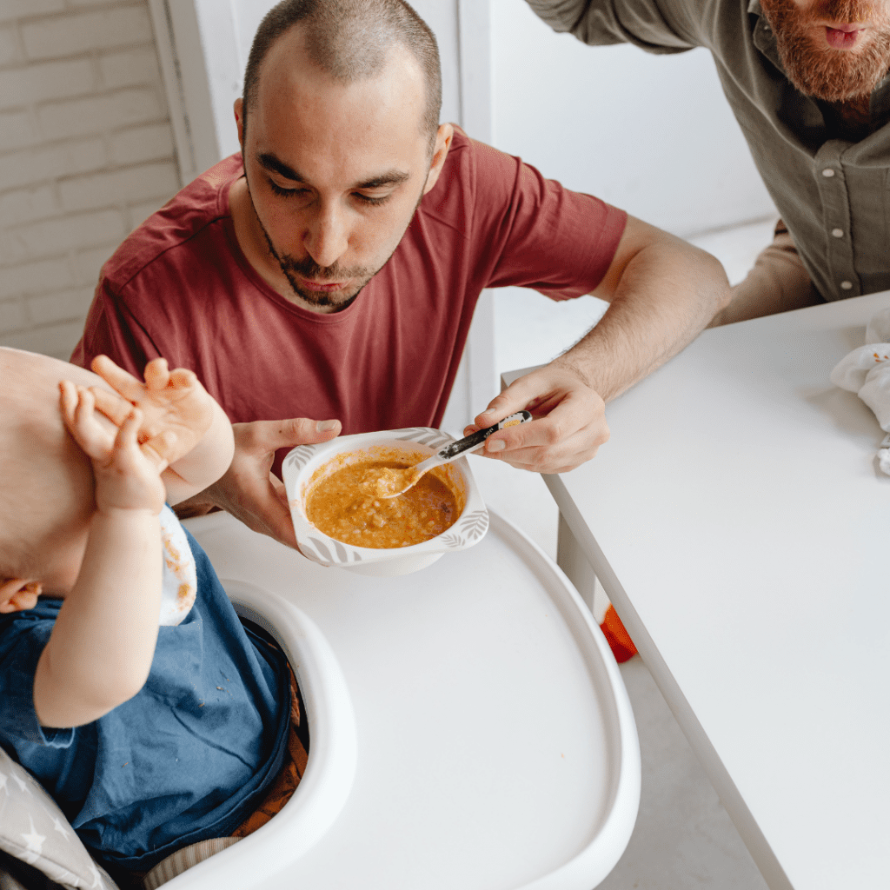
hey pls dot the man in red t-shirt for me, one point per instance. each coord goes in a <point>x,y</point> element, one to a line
<point>326,277</point>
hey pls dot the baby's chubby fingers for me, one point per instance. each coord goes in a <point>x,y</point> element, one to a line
<point>67,401</point>
<point>115,408</point>
<point>126,444</point>
<point>154,450</point>
<point>127,452</point>
<point>121,381</point>
<point>161,448</point>
<point>157,375</point>
<point>184,379</point>
<point>77,405</point>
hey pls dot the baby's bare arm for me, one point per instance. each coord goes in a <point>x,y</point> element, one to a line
<point>103,642</point>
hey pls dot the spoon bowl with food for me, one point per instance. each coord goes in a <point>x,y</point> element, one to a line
<point>390,482</point>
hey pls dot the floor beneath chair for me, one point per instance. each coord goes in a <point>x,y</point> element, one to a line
<point>683,839</point>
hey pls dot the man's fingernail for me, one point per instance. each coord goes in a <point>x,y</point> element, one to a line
<point>496,445</point>
<point>324,425</point>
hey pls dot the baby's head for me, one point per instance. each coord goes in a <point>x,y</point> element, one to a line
<point>46,481</point>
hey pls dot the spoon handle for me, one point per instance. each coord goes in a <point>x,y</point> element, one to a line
<point>474,440</point>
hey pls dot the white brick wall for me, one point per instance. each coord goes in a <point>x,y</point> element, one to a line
<point>86,153</point>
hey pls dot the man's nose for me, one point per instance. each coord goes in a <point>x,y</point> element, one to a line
<point>327,236</point>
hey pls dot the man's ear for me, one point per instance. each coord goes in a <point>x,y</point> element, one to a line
<point>444,135</point>
<point>239,120</point>
<point>18,594</point>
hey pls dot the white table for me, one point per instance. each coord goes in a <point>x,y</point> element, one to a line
<point>738,523</point>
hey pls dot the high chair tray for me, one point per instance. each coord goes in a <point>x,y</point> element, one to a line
<point>468,724</point>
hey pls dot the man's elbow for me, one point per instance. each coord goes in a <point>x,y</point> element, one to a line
<point>713,282</point>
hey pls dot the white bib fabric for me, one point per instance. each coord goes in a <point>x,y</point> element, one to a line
<point>180,584</point>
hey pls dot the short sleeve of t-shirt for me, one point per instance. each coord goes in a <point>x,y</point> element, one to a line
<point>21,644</point>
<point>532,232</point>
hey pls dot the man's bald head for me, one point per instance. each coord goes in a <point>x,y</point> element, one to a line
<point>350,40</point>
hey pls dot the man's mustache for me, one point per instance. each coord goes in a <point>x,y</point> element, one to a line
<point>851,11</point>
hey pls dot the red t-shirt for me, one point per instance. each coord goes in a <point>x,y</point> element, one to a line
<point>180,287</point>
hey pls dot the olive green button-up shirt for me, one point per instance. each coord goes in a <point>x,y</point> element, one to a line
<point>834,195</point>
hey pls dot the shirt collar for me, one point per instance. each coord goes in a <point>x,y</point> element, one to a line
<point>764,36</point>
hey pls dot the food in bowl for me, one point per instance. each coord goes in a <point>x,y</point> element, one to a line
<point>306,465</point>
<point>345,505</point>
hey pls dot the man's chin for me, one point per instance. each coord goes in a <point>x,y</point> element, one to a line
<point>328,301</point>
<point>836,75</point>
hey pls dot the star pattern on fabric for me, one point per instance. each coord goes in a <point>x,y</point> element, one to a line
<point>33,844</point>
<point>49,843</point>
<point>59,826</point>
<point>94,874</point>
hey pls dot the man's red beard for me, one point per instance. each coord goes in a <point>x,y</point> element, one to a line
<point>816,69</point>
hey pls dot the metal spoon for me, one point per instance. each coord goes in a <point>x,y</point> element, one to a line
<point>389,482</point>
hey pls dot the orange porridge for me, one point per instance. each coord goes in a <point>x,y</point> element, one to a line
<point>345,506</point>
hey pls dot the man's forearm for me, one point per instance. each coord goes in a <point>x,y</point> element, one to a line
<point>667,294</point>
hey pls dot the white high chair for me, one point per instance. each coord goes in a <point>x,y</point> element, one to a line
<point>468,724</point>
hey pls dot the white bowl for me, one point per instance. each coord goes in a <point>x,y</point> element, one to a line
<point>302,463</point>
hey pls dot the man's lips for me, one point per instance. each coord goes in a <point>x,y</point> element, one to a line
<point>843,36</point>
<point>322,286</point>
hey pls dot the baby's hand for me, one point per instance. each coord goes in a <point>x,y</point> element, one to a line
<point>170,401</point>
<point>127,474</point>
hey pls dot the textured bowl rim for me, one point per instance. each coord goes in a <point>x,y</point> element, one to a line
<point>469,528</point>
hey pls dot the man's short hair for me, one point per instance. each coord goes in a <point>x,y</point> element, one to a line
<point>350,40</point>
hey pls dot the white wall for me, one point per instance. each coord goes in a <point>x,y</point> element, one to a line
<point>86,153</point>
<point>652,134</point>
<point>204,44</point>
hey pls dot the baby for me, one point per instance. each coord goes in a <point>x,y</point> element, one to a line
<point>128,686</point>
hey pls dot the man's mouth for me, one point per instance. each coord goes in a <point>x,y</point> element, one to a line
<point>843,36</point>
<point>322,287</point>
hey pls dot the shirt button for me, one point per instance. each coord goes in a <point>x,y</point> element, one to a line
<point>838,233</point>
<point>847,285</point>
<point>828,172</point>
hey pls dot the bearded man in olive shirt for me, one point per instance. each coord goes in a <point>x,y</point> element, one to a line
<point>807,81</point>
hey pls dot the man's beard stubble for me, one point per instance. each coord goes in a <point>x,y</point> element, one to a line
<point>293,270</point>
<point>820,71</point>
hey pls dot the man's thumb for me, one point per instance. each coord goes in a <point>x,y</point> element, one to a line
<point>303,431</point>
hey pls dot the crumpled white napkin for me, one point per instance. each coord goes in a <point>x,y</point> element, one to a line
<point>866,371</point>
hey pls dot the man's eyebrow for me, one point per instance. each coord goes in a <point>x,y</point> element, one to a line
<point>270,162</point>
<point>391,177</point>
